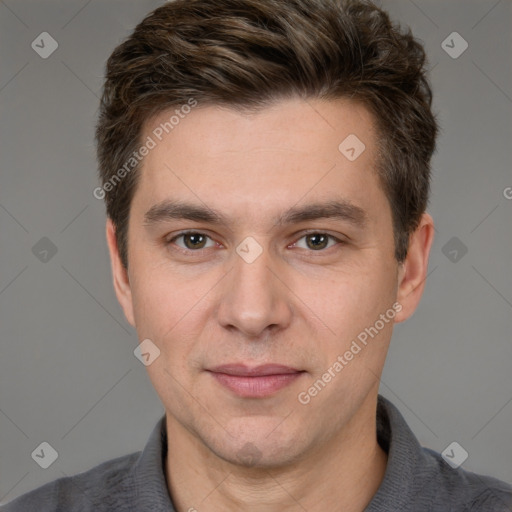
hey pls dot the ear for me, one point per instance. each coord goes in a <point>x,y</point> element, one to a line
<point>412,272</point>
<point>119,274</point>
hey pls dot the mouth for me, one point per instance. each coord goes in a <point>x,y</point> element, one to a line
<point>255,382</point>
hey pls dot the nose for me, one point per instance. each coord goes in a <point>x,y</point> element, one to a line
<point>254,299</point>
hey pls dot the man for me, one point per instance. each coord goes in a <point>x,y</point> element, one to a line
<point>265,166</point>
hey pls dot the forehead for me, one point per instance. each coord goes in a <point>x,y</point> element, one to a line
<point>282,153</point>
<point>295,124</point>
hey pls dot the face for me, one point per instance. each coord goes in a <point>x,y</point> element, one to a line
<point>259,240</point>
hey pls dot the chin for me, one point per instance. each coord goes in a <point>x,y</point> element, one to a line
<point>257,452</point>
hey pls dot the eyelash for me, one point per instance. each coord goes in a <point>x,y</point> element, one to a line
<point>189,251</point>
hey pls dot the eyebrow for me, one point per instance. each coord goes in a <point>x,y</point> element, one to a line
<point>336,209</point>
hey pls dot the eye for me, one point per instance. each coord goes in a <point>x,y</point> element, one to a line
<point>195,241</point>
<point>317,241</point>
<point>192,240</point>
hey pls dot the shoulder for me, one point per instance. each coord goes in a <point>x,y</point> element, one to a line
<point>105,487</point>
<point>465,491</point>
<point>418,478</point>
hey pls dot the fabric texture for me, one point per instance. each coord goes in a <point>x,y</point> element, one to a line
<point>416,480</point>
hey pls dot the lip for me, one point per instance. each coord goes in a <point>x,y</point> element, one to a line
<point>242,370</point>
<point>256,382</point>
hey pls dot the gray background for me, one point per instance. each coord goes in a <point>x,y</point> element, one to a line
<point>68,375</point>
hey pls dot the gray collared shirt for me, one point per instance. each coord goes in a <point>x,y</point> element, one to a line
<point>416,480</point>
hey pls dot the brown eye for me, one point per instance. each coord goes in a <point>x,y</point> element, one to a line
<point>317,241</point>
<point>192,241</point>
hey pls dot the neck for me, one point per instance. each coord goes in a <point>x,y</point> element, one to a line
<point>343,473</point>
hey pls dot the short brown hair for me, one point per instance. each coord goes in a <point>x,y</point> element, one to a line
<point>248,53</point>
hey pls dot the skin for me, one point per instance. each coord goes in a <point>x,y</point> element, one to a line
<point>293,305</point>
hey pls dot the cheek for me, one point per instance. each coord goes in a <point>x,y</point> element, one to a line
<point>171,309</point>
<point>156,304</point>
<point>348,303</point>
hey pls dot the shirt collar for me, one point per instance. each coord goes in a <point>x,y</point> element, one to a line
<point>149,482</point>
<point>405,455</point>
